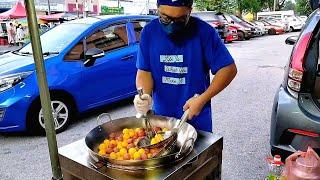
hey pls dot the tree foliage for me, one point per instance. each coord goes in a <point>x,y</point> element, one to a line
<point>288,5</point>
<point>216,5</point>
<point>239,6</point>
<point>303,7</point>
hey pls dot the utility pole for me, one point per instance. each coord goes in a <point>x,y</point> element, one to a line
<point>49,11</point>
<point>274,5</point>
<point>118,3</point>
<point>43,89</point>
<point>147,6</point>
<point>77,7</point>
<point>84,7</point>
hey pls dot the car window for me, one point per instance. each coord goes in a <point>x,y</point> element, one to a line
<point>229,18</point>
<point>223,19</point>
<point>236,19</point>
<point>138,26</point>
<point>108,39</point>
<point>208,17</point>
<point>76,53</point>
<point>58,38</point>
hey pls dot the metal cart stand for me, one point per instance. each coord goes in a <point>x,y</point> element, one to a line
<point>204,162</point>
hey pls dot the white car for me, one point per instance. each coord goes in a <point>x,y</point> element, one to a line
<point>294,23</point>
<point>261,26</point>
<point>303,18</point>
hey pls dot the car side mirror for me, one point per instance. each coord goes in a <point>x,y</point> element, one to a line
<point>92,55</point>
<point>291,40</point>
<point>232,22</point>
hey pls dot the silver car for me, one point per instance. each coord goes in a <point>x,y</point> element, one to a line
<point>295,121</point>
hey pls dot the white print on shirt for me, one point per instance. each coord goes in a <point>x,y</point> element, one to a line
<point>177,70</point>
<point>171,58</point>
<point>174,81</point>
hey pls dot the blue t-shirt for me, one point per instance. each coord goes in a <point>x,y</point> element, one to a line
<point>180,66</point>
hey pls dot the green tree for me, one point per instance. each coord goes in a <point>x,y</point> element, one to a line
<point>252,6</point>
<point>279,4</point>
<point>303,7</point>
<point>288,5</point>
<point>216,5</point>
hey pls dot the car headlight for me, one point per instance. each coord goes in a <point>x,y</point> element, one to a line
<point>8,81</point>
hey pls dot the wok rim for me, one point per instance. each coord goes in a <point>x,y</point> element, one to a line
<point>119,163</point>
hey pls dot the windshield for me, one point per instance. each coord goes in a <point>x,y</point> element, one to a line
<point>266,23</point>
<point>236,19</point>
<point>223,19</point>
<point>58,38</point>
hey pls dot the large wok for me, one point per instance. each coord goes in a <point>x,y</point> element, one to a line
<point>184,145</point>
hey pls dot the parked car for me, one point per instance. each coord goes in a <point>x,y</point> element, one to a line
<point>213,19</point>
<point>232,33</point>
<point>295,120</point>
<point>245,31</point>
<point>295,23</point>
<point>258,31</point>
<point>275,22</point>
<point>261,26</point>
<point>291,21</point>
<point>303,18</point>
<point>272,29</point>
<point>89,63</point>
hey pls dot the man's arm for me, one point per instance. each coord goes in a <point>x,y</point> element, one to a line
<point>144,79</point>
<point>220,81</point>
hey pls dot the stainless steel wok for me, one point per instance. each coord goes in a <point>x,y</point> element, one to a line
<point>185,141</point>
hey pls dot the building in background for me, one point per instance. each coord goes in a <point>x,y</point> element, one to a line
<point>90,6</point>
<point>127,6</point>
<point>78,6</point>
<point>5,5</point>
<point>72,6</point>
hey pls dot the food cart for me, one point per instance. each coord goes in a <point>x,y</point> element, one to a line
<point>203,162</point>
<point>200,159</point>
<point>193,154</point>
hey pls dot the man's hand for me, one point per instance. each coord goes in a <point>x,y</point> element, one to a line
<point>143,104</point>
<point>195,105</point>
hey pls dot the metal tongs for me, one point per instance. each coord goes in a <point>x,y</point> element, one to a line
<point>169,136</point>
<point>149,130</point>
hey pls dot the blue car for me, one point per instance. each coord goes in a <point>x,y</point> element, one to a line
<point>89,63</point>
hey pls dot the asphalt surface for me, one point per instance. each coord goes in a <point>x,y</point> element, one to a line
<point>241,115</point>
<point>4,49</point>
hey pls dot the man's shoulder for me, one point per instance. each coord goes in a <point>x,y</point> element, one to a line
<point>154,24</point>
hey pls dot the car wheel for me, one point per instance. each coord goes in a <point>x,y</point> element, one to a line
<point>272,32</point>
<point>240,36</point>
<point>291,29</point>
<point>62,114</point>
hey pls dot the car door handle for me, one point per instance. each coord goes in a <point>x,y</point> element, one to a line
<point>128,57</point>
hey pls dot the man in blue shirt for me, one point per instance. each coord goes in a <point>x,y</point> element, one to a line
<point>176,54</point>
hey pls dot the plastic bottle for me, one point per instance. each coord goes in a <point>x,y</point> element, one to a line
<point>275,168</point>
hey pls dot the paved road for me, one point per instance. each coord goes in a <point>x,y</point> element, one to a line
<point>4,49</point>
<point>242,116</point>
